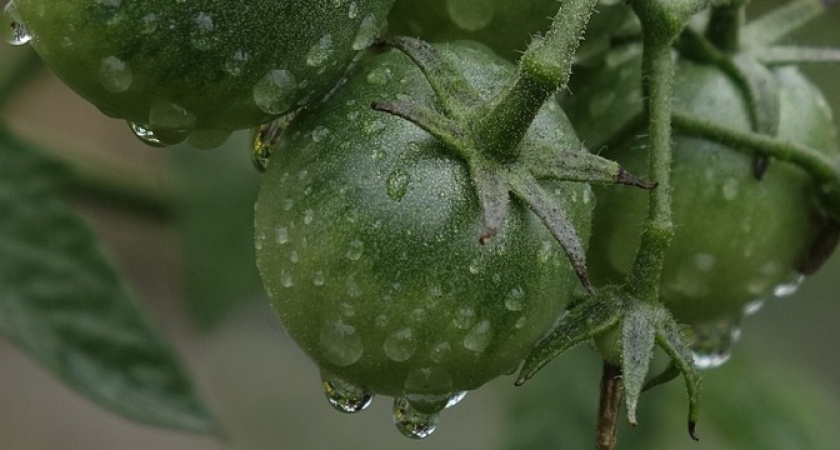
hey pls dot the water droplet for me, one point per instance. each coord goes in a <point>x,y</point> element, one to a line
<point>234,65</point>
<point>413,424</point>
<point>294,257</point>
<point>520,323</point>
<point>150,24</point>
<point>354,10</point>
<point>354,252</point>
<point>455,398</point>
<point>789,287</point>
<point>115,75</point>
<point>515,299</point>
<point>171,123</point>
<point>730,189</point>
<point>347,309</point>
<point>14,31</point>
<point>208,138</point>
<point>704,261</point>
<point>286,279</point>
<point>281,235</point>
<point>464,318</point>
<point>368,30</point>
<point>428,389</point>
<point>712,342</point>
<point>275,93</point>
<point>340,343</point>
<point>320,133</point>
<point>320,52</point>
<point>201,35</point>
<point>379,76</point>
<point>382,321</point>
<point>145,135</point>
<point>318,278</point>
<point>479,337</point>
<point>400,345</point>
<point>471,15</point>
<point>753,307</point>
<point>374,127</point>
<point>397,183</point>
<point>345,396</point>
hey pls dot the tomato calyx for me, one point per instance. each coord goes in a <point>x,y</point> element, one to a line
<point>641,326</point>
<point>495,178</point>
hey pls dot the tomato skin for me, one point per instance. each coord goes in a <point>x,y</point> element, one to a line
<point>368,240</point>
<point>737,238</point>
<point>505,26</point>
<point>204,65</point>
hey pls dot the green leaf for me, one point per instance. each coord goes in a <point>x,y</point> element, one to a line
<point>215,192</point>
<point>63,303</point>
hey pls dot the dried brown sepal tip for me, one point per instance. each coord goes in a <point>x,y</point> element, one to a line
<point>692,430</point>
<point>625,177</point>
<point>822,248</point>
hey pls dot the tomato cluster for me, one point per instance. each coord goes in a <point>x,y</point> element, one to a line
<point>401,254</point>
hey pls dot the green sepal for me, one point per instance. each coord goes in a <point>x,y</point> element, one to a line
<point>638,331</point>
<point>592,317</point>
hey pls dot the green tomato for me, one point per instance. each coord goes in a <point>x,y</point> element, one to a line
<point>367,237</point>
<point>737,239</point>
<point>202,68</point>
<point>503,25</point>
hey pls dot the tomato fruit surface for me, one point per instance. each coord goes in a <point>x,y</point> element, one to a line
<point>505,26</point>
<point>737,239</point>
<point>210,66</point>
<point>367,235</point>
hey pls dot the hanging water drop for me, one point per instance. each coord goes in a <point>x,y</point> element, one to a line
<point>413,424</point>
<point>753,307</point>
<point>14,31</point>
<point>712,342</point>
<point>455,398</point>
<point>275,93</point>
<point>789,287</point>
<point>344,396</point>
<point>145,135</point>
<point>171,123</point>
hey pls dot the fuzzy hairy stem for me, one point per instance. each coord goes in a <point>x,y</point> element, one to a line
<point>544,68</point>
<point>658,76</point>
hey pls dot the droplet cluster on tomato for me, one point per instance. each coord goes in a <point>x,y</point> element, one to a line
<point>367,236</point>
<point>505,26</point>
<point>176,69</point>
<point>738,240</point>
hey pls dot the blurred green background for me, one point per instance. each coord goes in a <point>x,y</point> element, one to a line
<point>190,258</point>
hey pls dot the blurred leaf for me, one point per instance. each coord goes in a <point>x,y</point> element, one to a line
<point>215,193</point>
<point>63,303</point>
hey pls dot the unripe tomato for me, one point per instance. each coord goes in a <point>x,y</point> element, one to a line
<point>175,68</point>
<point>367,235</point>
<point>737,238</point>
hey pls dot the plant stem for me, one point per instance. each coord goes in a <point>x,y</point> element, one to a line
<point>658,79</point>
<point>544,68</point>
<point>826,170</point>
<point>18,71</point>
<point>724,29</point>
<point>609,408</point>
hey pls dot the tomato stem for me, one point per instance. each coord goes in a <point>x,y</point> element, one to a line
<point>724,28</point>
<point>826,170</point>
<point>609,407</point>
<point>658,79</point>
<point>544,68</point>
